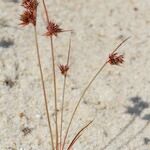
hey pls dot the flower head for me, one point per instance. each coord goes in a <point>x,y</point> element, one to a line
<point>29,15</point>
<point>30,4</point>
<point>53,29</point>
<point>64,69</point>
<point>115,59</point>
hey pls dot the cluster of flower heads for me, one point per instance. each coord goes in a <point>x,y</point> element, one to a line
<point>115,59</point>
<point>29,15</point>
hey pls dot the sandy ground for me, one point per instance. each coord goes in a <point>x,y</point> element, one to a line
<point>119,100</point>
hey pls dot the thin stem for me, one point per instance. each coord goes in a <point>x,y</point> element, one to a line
<point>84,92</point>
<point>63,95</point>
<point>62,109</point>
<point>120,45</point>
<point>55,90</point>
<point>69,50</point>
<point>77,136</point>
<point>43,87</point>
<point>45,9</point>
<point>54,77</point>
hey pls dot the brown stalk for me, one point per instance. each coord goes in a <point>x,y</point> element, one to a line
<point>120,45</point>
<point>55,90</point>
<point>63,95</point>
<point>54,76</point>
<point>85,90</point>
<point>29,16</point>
<point>43,87</point>
<point>78,135</point>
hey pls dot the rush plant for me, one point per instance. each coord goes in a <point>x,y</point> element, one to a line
<point>29,17</point>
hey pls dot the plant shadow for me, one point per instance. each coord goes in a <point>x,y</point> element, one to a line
<point>135,111</point>
<point>6,43</point>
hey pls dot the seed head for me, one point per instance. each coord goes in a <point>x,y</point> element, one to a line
<point>116,59</point>
<point>30,4</point>
<point>53,29</point>
<point>64,69</point>
<point>29,15</point>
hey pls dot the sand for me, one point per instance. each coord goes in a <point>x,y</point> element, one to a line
<point>118,100</point>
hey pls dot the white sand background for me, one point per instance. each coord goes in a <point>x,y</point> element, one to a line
<point>119,100</point>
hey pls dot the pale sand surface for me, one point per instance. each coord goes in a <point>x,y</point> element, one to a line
<point>119,100</point>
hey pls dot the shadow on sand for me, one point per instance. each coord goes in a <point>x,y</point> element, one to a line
<point>135,110</point>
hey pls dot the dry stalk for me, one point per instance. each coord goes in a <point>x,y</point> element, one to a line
<point>115,61</point>
<point>63,94</point>
<point>78,135</point>
<point>29,16</point>
<point>43,87</point>
<point>54,77</point>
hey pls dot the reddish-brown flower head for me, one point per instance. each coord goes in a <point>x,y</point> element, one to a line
<point>64,69</point>
<point>29,15</point>
<point>53,29</point>
<point>30,4</point>
<point>115,59</point>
